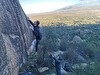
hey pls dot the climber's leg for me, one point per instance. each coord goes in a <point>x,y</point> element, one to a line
<point>58,69</point>
<point>33,44</point>
<point>37,42</point>
<point>31,47</point>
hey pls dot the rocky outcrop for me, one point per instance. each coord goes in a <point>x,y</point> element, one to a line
<point>77,39</point>
<point>43,69</point>
<point>15,37</point>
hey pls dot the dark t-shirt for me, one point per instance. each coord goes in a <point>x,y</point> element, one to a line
<point>37,32</point>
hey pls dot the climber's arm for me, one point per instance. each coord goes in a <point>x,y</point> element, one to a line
<point>53,57</point>
<point>31,22</point>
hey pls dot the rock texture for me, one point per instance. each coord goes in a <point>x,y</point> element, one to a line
<point>15,37</point>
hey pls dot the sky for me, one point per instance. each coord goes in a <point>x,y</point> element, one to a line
<point>40,6</point>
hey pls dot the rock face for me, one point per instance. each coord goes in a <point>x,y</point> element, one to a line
<point>15,37</point>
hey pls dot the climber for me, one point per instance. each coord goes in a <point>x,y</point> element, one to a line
<point>57,64</point>
<point>36,31</point>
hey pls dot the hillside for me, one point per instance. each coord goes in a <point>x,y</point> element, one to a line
<point>72,15</point>
<point>78,46</point>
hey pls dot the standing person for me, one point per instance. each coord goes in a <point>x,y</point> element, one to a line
<point>36,31</point>
<point>57,64</point>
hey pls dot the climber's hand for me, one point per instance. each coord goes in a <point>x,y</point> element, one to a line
<point>28,18</point>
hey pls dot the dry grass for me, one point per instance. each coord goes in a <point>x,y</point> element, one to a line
<point>73,17</point>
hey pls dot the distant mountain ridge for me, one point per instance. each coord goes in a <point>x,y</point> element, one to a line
<point>89,5</point>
